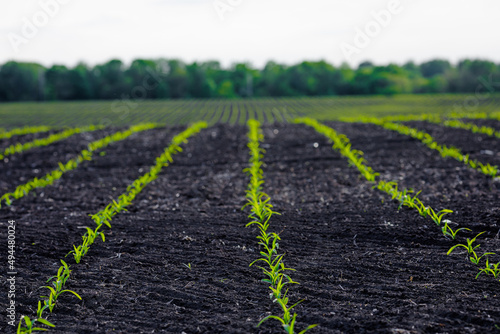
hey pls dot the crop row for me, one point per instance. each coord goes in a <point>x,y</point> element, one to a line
<point>404,197</point>
<point>103,217</point>
<point>261,213</point>
<point>123,113</point>
<point>23,131</point>
<point>436,119</point>
<point>85,155</point>
<point>444,150</point>
<point>379,108</point>
<point>476,115</point>
<point>238,111</point>
<point>449,105</point>
<point>20,147</point>
<point>260,206</point>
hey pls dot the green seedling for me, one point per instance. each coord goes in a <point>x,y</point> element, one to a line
<point>21,147</point>
<point>469,246</point>
<point>444,151</point>
<point>104,216</point>
<point>29,324</point>
<point>261,213</point>
<point>58,283</point>
<point>24,131</point>
<point>488,169</point>
<point>490,268</point>
<point>290,326</point>
<point>475,259</point>
<point>449,232</point>
<point>88,240</point>
<point>437,217</point>
<point>343,146</point>
<point>288,320</point>
<point>409,201</point>
<point>187,265</point>
<point>85,155</point>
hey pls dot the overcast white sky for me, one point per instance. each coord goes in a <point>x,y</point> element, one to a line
<point>95,31</point>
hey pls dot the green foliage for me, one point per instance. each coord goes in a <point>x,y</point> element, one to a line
<point>342,145</point>
<point>261,213</point>
<point>173,78</point>
<point>449,232</point>
<point>49,302</point>
<point>88,239</point>
<point>490,269</point>
<point>23,131</point>
<point>21,81</point>
<point>58,283</point>
<point>434,67</point>
<point>21,147</point>
<point>104,217</point>
<point>440,120</point>
<point>175,112</point>
<point>85,155</point>
<point>444,150</point>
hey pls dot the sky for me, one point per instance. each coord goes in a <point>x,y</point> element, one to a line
<point>382,31</point>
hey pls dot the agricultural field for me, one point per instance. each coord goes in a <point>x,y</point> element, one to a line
<point>181,112</point>
<point>324,215</point>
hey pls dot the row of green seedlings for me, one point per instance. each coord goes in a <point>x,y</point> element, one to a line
<point>20,147</point>
<point>451,123</point>
<point>474,128</point>
<point>23,131</point>
<point>475,115</point>
<point>261,213</point>
<point>404,197</point>
<point>444,150</point>
<point>103,217</point>
<point>85,155</point>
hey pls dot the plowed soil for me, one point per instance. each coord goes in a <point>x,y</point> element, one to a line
<point>178,260</point>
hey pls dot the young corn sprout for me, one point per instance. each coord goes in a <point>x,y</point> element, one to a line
<point>30,323</point>
<point>469,246</point>
<point>261,213</point>
<point>428,140</point>
<point>24,131</point>
<point>49,302</point>
<point>436,119</point>
<point>471,249</point>
<point>88,239</point>
<point>490,269</point>
<point>85,155</point>
<point>21,147</point>
<point>58,282</point>
<point>475,259</point>
<point>104,217</point>
<point>437,217</point>
<point>449,232</point>
<point>342,145</point>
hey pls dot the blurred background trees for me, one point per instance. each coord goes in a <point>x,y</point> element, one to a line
<point>174,79</point>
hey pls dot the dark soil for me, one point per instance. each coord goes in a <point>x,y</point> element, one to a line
<point>178,260</point>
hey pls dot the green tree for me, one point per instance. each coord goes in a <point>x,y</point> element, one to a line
<point>111,80</point>
<point>177,79</point>
<point>434,67</point>
<point>198,84</point>
<point>81,79</point>
<point>21,81</point>
<point>226,89</point>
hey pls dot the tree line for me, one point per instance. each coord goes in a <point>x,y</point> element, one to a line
<point>174,79</point>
